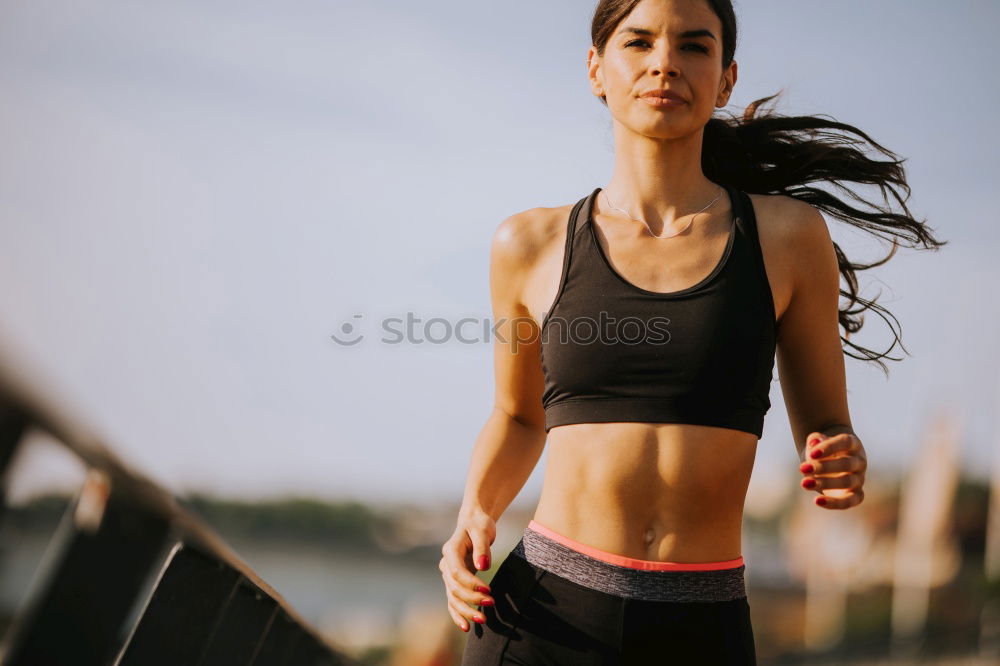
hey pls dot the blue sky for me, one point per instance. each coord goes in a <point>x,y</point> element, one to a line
<point>194,196</point>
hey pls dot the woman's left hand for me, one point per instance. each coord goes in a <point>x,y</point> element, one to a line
<point>827,458</point>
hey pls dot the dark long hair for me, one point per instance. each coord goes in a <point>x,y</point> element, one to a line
<point>768,153</point>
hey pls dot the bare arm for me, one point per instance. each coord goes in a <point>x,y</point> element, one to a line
<point>811,362</point>
<point>511,443</point>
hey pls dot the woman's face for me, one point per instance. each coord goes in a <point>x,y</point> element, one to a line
<point>661,56</point>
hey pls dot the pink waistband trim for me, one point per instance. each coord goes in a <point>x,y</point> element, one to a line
<point>631,562</point>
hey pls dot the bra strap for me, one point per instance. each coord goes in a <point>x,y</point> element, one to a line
<point>571,227</point>
<point>748,220</point>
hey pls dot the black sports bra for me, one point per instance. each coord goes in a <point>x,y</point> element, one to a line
<point>612,351</point>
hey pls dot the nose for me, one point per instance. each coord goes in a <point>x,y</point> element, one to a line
<point>670,71</point>
<point>665,63</point>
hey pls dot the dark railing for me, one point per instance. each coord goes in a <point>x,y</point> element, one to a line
<point>132,578</point>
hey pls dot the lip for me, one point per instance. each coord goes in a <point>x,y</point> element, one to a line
<point>662,98</point>
<point>662,102</point>
<point>663,93</point>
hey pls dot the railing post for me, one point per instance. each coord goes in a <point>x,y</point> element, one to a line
<point>12,426</point>
<point>91,575</point>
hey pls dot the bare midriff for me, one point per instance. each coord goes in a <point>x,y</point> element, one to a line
<point>650,491</point>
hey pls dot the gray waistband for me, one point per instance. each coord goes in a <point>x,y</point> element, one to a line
<point>554,557</point>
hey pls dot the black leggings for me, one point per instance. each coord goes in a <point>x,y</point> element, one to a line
<point>561,603</point>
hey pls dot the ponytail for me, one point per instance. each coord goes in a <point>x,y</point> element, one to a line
<point>768,153</point>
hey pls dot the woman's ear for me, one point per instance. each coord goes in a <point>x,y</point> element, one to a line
<point>727,85</point>
<point>594,72</point>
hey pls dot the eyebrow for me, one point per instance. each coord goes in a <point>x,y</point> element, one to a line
<point>687,34</point>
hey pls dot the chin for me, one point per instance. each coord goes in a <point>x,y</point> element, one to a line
<point>662,130</point>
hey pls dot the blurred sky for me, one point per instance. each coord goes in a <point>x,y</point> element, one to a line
<point>194,196</point>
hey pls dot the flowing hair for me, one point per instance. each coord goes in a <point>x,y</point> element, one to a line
<point>765,152</point>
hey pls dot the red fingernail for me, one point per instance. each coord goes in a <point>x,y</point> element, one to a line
<point>806,468</point>
<point>478,619</point>
<point>483,589</point>
<point>813,441</point>
<point>486,602</point>
<point>821,501</point>
<point>482,561</point>
<point>808,483</point>
<point>818,453</point>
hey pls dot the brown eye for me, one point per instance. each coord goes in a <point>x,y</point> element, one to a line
<point>699,47</point>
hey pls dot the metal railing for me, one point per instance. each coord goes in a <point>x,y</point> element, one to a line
<point>132,578</point>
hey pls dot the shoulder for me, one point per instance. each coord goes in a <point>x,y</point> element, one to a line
<point>522,238</point>
<point>789,222</point>
<point>794,234</point>
<point>799,255</point>
<point>521,244</point>
<point>796,240</point>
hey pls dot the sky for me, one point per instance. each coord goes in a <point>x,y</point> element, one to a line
<point>195,196</point>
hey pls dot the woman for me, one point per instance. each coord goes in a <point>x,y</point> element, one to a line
<point>669,294</point>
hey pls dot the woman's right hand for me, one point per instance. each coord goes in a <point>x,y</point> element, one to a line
<point>466,550</point>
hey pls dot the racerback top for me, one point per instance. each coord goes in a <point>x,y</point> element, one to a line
<point>612,351</point>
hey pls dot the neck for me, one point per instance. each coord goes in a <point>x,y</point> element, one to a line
<point>658,180</point>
